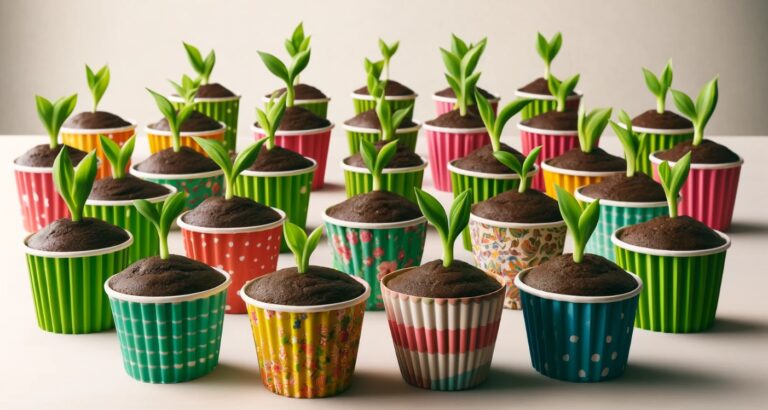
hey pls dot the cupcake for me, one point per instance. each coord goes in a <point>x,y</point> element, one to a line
<point>377,231</point>
<point>320,308</point>
<point>516,229</point>
<point>397,95</point>
<point>300,130</point>
<point>480,171</point>
<point>70,258</point>
<point>579,308</point>
<point>403,173</point>
<point>445,99</point>
<point>279,177</point>
<point>458,132</point>
<point>586,164</point>
<point>40,203</point>
<point>111,199</point>
<point>82,130</point>
<point>304,95</point>
<point>538,90</point>
<point>680,258</point>
<point>444,315</point>
<point>168,309</point>
<point>710,193</point>
<point>625,199</point>
<point>233,233</point>
<point>181,166</point>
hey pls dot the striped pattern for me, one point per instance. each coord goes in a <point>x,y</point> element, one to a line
<point>158,143</point>
<point>567,182</point>
<point>362,106</point>
<point>615,217</point>
<point>538,107</point>
<point>551,146</point>
<point>222,110</point>
<point>681,293</point>
<point>657,142</point>
<point>145,243</point>
<point>312,145</point>
<point>444,147</point>
<point>401,183</point>
<point>197,190</point>
<point>405,139</point>
<point>90,142</point>
<point>40,203</point>
<point>169,342</point>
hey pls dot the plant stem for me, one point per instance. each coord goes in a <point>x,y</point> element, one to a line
<point>578,252</point>
<point>271,141</point>
<point>698,135</point>
<point>660,104</point>
<point>524,182</point>
<point>447,253</point>
<point>229,187</point>
<point>164,245</point>
<point>496,142</point>
<point>546,71</point>
<point>53,141</point>
<point>672,203</point>
<point>176,139</point>
<point>377,181</point>
<point>290,94</point>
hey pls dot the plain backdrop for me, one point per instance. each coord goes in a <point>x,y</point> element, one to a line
<point>45,44</point>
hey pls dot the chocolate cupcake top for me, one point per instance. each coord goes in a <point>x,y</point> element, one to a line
<point>554,121</point>
<point>297,118</point>
<point>170,162</point>
<point>175,276</point>
<point>482,160</point>
<point>449,93</point>
<point>539,86</point>
<point>530,206</point>
<point>42,156</point>
<point>89,120</point>
<point>403,158</point>
<point>681,233</point>
<point>317,286</point>
<point>708,152</point>
<point>300,92</point>
<point>218,212</point>
<point>369,119</point>
<point>65,235</point>
<point>375,207</point>
<point>593,276</point>
<point>392,89</point>
<point>667,120</point>
<point>595,161</point>
<point>213,90</point>
<point>454,119</point>
<point>434,280</point>
<point>196,122</point>
<point>279,159</point>
<point>126,188</point>
<point>637,188</point>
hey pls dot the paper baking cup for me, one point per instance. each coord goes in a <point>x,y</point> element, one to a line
<point>198,187</point>
<point>570,179</point>
<point>542,103</point>
<point>682,287</point>
<point>307,351</point>
<point>506,248</point>
<point>709,193</point>
<point>364,102</point>
<point>447,144</point>
<point>88,140</point>
<point>443,343</point>
<point>658,140</point>
<point>578,338</point>
<point>312,144</point>
<point>615,215</point>
<point>169,339</point>
<point>40,203</point>
<point>160,140</point>
<point>244,252</point>
<point>318,106</point>
<point>484,185</point>
<point>406,137</point>
<point>552,143</point>
<point>67,287</point>
<point>400,181</point>
<point>372,250</point>
<point>444,105</point>
<point>124,214</point>
<point>223,109</point>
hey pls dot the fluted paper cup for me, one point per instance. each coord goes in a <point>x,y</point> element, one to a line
<point>318,106</point>
<point>552,143</point>
<point>447,144</point>
<point>40,203</point>
<point>312,144</point>
<point>372,250</point>
<point>169,339</point>
<point>243,252</point>
<point>709,193</point>
<point>122,213</point>
<point>401,181</point>
<point>222,109</point>
<point>406,137</point>
<point>657,139</point>
<point>443,343</point>
<point>447,104</point>
<point>545,102</point>
<point>682,287</point>
<point>578,338</point>
<point>198,186</point>
<point>307,351</point>
<point>615,215</point>
<point>88,140</point>
<point>365,102</point>
<point>67,287</point>
<point>570,179</point>
<point>161,139</point>
<point>506,248</point>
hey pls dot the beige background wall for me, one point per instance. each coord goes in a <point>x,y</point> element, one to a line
<point>44,45</point>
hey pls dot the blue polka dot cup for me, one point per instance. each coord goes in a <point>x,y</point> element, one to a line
<point>578,338</point>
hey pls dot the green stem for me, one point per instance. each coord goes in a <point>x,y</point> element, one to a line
<point>561,104</point>
<point>578,252</point>
<point>290,94</point>
<point>447,253</point>
<point>672,202</point>
<point>524,183</point>
<point>496,142</point>
<point>271,141</point>
<point>546,71</point>
<point>53,140</point>
<point>698,135</point>
<point>377,181</point>
<point>176,139</point>
<point>95,104</point>
<point>301,263</point>
<point>229,187</point>
<point>386,71</point>
<point>661,104</point>
<point>164,245</point>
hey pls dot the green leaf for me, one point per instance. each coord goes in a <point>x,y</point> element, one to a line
<point>652,82</point>
<point>373,67</point>
<point>581,223</point>
<point>459,215</point>
<point>62,109</point>
<point>275,66</point>
<point>311,244</point>
<point>434,212</point>
<point>149,211</point>
<point>542,47</point>
<point>64,178</point>
<point>458,46</point>
<point>300,62</point>
<point>388,51</point>
<point>384,156</point>
<point>470,60</point>
<point>368,153</point>
<point>488,117</point>
<point>195,58</point>
<point>97,83</point>
<point>666,76</point>
<point>118,157</point>
<point>301,245</point>
<point>165,106</point>
<point>588,220</point>
<point>706,103</point>
<point>85,174</point>
<point>554,46</point>
<point>591,127</point>
<point>673,179</point>
<point>455,86</point>
<point>45,113</point>
<point>684,103</point>
<point>509,160</point>
<point>246,158</point>
<point>451,62</point>
<point>209,62</point>
<point>172,208</point>
<point>216,151</point>
<point>399,116</point>
<point>507,112</point>
<point>529,163</point>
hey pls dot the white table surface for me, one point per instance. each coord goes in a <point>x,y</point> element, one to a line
<point>725,367</point>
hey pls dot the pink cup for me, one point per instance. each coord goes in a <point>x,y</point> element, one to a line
<point>552,143</point>
<point>40,203</point>
<point>309,143</point>
<point>448,144</point>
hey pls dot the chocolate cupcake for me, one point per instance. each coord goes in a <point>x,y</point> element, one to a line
<point>367,126</point>
<point>396,95</point>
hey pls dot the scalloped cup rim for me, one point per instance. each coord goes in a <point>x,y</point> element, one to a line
<point>300,101</point>
<point>542,131</point>
<point>77,254</point>
<point>364,130</point>
<point>170,299</point>
<point>575,298</point>
<point>488,175</point>
<point>292,172</point>
<point>724,165</point>
<point>515,225</point>
<point>85,131</point>
<point>305,308</point>
<point>231,230</point>
<point>195,175</point>
<point>294,133</point>
<point>578,173</point>
<point>129,202</point>
<point>372,225</point>
<point>403,170</point>
<point>501,290</point>
<point>672,253</point>
<point>623,204</point>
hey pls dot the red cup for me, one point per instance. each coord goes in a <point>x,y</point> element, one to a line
<point>709,193</point>
<point>552,143</point>
<point>40,203</point>
<point>446,104</point>
<point>309,143</point>
<point>448,144</point>
<point>244,252</point>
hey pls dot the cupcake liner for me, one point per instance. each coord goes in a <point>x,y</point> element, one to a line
<point>443,343</point>
<point>307,351</point>
<point>372,250</point>
<point>364,102</point>
<point>569,179</point>
<point>552,143</point>
<point>224,110</point>
<point>125,215</point>
<point>658,140</point>
<point>615,215</point>
<point>445,105</point>
<point>312,144</point>
<point>400,181</point>
<point>505,249</point>
<point>285,190</point>
<point>682,287</point>
<point>198,187</point>
<point>578,338</point>
<point>169,339</point>
<point>67,287</point>
<point>544,103</point>
<point>160,140</point>
<point>709,193</point>
<point>39,201</point>
<point>406,137</point>
<point>446,145</point>
<point>88,140</point>
<point>245,252</point>
<point>318,106</point>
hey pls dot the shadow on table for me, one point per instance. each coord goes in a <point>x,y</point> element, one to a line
<point>380,385</point>
<point>732,326</point>
<point>227,374</point>
<point>331,187</point>
<point>747,228</point>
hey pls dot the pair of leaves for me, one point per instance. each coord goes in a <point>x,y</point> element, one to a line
<point>117,156</point>
<point>300,244</point>
<point>162,218</point>
<point>461,75</point>
<point>700,112</point>
<point>97,83</point>
<point>375,160</point>
<point>232,169</point>
<point>270,118</point>
<point>387,52</point>
<point>53,115</point>
<point>562,89</point>
<point>673,179</point>
<point>461,47</point>
<point>187,89</point>
<point>174,118</point>
<point>389,121</point>
<point>376,87</point>
<point>298,42</point>
<point>659,85</point>
<point>373,68</point>
<point>203,67</point>
<point>591,127</point>
<point>448,226</point>
<point>548,49</point>
<point>288,74</point>
<point>581,221</point>
<point>495,124</point>
<point>633,143</point>
<point>513,163</point>
<point>74,184</point>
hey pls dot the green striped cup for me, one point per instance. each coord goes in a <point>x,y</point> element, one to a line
<point>223,109</point>
<point>400,181</point>
<point>406,137</point>
<point>658,140</point>
<point>364,102</point>
<point>542,103</point>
